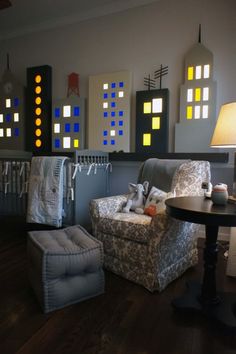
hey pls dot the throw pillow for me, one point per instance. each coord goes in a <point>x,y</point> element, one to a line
<point>155,203</point>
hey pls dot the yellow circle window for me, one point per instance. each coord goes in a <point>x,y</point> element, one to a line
<point>38,79</point>
<point>38,132</point>
<point>38,122</point>
<point>38,143</point>
<point>38,111</point>
<point>38,90</point>
<point>38,100</point>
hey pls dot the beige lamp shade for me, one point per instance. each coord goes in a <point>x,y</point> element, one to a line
<point>224,135</point>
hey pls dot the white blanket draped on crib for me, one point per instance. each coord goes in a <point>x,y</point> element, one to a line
<point>45,196</point>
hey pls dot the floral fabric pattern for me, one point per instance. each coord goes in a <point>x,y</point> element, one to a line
<point>150,251</point>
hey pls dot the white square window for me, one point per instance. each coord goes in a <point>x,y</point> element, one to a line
<point>198,73</point>
<point>205,94</point>
<point>8,132</point>
<point>206,71</point>
<point>189,95</point>
<point>105,86</point>
<point>121,93</point>
<point>57,128</point>
<point>16,117</point>
<point>112,132</point>
<point>205,111</point>
<point>105,104</point>
<point>197,112</point>
<point>1,118</point>
<point>66,111</point>
<point>66,142</point>
<point>157,105</point>
<point>1,133</point>
<point>8,103</point>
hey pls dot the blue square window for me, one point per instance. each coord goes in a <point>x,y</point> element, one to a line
<point>121,123</point>
<point>113,95</point>
<point>113,142</point>
<point>113,104</point>
<point>121,113</point>
<point>57,143</point>
<point>76,127</point>
<point>76,111</point>
<point>8,117</point>
<point>105,95</point>
<point>105,133</point>
<point>113,85</point>
<point>16,132</point>
<point>67,127</point>
<point>16,102</point>
<point>104,142</point>
<point>121,84</point>
<point>113,123</point>
<point>113,114</point>
<point>120,132</point>
<point>105,114</point>
<point>57,112</point>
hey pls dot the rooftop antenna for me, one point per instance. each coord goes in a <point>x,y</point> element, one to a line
<point>199,34</point>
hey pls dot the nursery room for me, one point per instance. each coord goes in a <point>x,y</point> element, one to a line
<point>118,176</point>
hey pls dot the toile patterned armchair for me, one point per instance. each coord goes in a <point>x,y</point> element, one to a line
<point>151,251</point>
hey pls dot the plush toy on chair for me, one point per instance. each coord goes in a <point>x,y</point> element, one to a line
<point>136,199</point>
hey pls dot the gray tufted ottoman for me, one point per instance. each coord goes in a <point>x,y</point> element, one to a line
<point>65,266</point>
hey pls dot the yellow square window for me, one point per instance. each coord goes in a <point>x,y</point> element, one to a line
<point>146,139</point>
<point>147,107</point>
<point>190,73</point>
<point>155,123</point>
<point>189,112</point>
<point>76,143</point>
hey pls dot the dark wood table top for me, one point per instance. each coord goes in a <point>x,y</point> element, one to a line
<point>201,210</point>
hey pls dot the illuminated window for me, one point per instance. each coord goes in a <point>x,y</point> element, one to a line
<point>38,79</point>
<point>16,117</point>
<point>190,73</point>
<point>157,105</point>
<point>1,118</point>
<point>205,94</point>
<point>38,143</point>
<point>146,139</point>
<point>205,111</point>
<point>121,93</point>
<point>38,100</point>
<point>57,112</point>
<point>189,95</point>
<point>8,132</point>
<point>16,132</point>
<point>155,122</point>
<point>198,73</point>
<point>105,86</point>
<point>57,128</point>
<point>38,122</point>
<point>38,90</point>
<point>38,111</point>
<point>206,71</point>
<point>105,105</point>
<point>57,143</point>
<point>76,143</point>
<point>1,133</point>
<point>198,94</point>
<point>147,107</point>
<point>76,127</point>
<point>8,103</point>
<point>197,110</point>
<point>67,128</point>
<point>189,112</point>
<point>76,111</point>
<point>66,111</point>
<point>38,132</point>
<point>112,133</point>
<point>66,142</point>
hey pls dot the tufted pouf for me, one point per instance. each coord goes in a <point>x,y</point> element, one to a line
<point>65,266</point>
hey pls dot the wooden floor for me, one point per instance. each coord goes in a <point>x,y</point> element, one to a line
<point>127,319</point>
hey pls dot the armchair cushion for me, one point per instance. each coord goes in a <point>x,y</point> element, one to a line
<point>155,203</point>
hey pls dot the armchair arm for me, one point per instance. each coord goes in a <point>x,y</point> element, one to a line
<point>103,207</point>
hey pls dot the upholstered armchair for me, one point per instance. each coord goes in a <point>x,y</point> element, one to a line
<point>151,251</point>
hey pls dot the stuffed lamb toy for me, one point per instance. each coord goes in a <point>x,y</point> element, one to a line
<point>136,199</point>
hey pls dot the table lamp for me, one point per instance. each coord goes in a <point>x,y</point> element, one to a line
<point>224,135</point>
